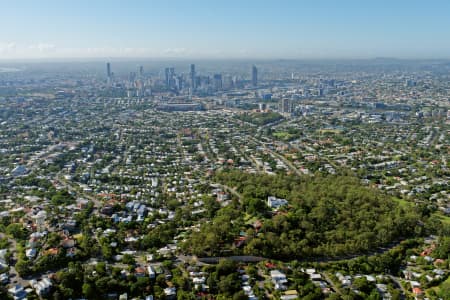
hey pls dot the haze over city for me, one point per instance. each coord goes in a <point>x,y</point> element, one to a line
<point>224,29</point>
<point>224,150</point>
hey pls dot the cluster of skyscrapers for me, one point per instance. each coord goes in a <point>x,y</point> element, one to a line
<point>193,81</point>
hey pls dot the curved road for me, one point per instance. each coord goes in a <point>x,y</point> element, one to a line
<point>229,189</point>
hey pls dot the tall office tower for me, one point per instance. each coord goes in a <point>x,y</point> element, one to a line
<point>284,106</point>
<point>172,81</point>
<point>192,76</point>
<point>217,82</point>
<point>170,77</point>
<point>141,71</point>
<point>167,73</point>
<point>198,81</point>
<point>132,77</point>
<point>170,74</point>
<point>254,76</point>
<point>227,82</point>
<point>179,82</point>
<point>108,70</point>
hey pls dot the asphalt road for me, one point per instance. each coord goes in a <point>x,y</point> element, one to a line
<point>14,277</point>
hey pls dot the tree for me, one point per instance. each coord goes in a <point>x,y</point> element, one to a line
<point>240,296</point>
<point>226,266</point>
<point>88,290</point>
<point>102,285</point>
<point>67,293</point>
<point>140,285</point>
<point>230,284</point>
<point>23,267</point>
<point>184,295</point>
<point>396,295</point>
<point>17,231</point>
<point>107,251</point>
<point>363,285</point>
<point>374,295</point>
<point>328,216</point>
<point>443,248</point>
<point>128,259</point>
<point>444,291</point>
<point>255,206</point>
<point>100,268</point>
<point>161,280</point>
<point>334,296</point>
<point>53,239</point>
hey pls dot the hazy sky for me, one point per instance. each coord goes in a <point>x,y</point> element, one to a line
<point>225,29</point>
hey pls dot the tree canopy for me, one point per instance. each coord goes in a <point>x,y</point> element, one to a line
<point>327,216</point>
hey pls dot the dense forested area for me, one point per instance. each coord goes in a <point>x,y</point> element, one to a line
<point>260,118</point>
<point>327,216</point>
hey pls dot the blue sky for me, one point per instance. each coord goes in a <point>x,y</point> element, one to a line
<point>225,29</point>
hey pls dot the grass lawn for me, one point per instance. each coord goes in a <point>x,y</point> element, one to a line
<point>334,131</point>
<point>78,236</point>
<point>444,219</point>
<point>249,219</point>
<point>403,203</point>
<point>283,135</point>
<point>437,288</point>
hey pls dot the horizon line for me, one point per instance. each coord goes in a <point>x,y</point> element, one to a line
<point>231,58</point>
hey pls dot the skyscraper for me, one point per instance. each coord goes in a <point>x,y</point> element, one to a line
<point>108,70</point>
<point>217,82</point>
<point>192,76</point>
<point>227,82</point>
<point>141,71</point>
<point>170,74</point>
<point>167,73</point>
<point>254,76</point>
<point>284,106</point>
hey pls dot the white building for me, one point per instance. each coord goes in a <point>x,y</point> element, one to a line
<point>18,292</point>
<point>151,272</point>
<point>170,292</point>
<point>278,279</point>
<point>274,202</point>
<point>42,287</point>
<point>39,220</point>
<point>31,253</point>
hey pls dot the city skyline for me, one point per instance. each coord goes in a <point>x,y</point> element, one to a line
<point>245,150</point>
<point>294,29</point>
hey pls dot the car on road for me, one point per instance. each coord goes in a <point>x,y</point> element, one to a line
<point>4,278</point>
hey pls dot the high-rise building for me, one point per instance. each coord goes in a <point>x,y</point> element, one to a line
<point>254,76</point>
<point>262,106</point>
<point>410,83</point>
<point>39,220</point>
<point>141,71</point>
<point>170,74</point>
<point>227,82</point>
<point>192,77</point>
<point>166,72</point>
<point>108,70</point>
<point>179,82</point>
<point>217,82</point>
<point>132,77</point>
<point>284,106</point>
